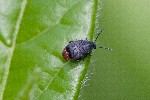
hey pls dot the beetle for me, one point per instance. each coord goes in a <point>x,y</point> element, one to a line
<point>79,49</point>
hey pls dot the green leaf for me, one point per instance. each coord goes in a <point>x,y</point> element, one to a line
<point>124,73</point>
<point>33,34</point>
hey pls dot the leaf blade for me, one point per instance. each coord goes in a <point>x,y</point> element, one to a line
<point>37,67</point>
<point>8,36</point>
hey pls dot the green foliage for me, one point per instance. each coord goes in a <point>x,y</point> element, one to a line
<point>124,73</point>
<point>33,34</point>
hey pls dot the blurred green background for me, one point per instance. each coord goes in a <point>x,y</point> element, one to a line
<point>124,73</point>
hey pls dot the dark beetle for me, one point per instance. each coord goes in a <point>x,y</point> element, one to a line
<point>79,49</point>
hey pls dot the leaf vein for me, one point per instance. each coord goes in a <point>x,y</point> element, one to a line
<point>8,63</point>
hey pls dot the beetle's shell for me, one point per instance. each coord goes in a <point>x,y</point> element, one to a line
<point>77,50</point>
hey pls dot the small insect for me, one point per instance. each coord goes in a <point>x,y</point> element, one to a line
<point>79,49</point>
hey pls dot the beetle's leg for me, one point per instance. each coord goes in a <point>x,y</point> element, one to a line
<point>90,54</point>
<point>70,41</point>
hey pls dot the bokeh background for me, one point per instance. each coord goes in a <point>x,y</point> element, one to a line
<point>124,73</point>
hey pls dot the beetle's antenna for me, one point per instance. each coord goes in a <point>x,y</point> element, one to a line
<point>98,35</point>
<point>106,48</point>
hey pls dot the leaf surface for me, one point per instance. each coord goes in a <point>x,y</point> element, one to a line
<point>32,36</point>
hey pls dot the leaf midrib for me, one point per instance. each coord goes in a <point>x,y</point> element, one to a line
<point>15,33</point>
